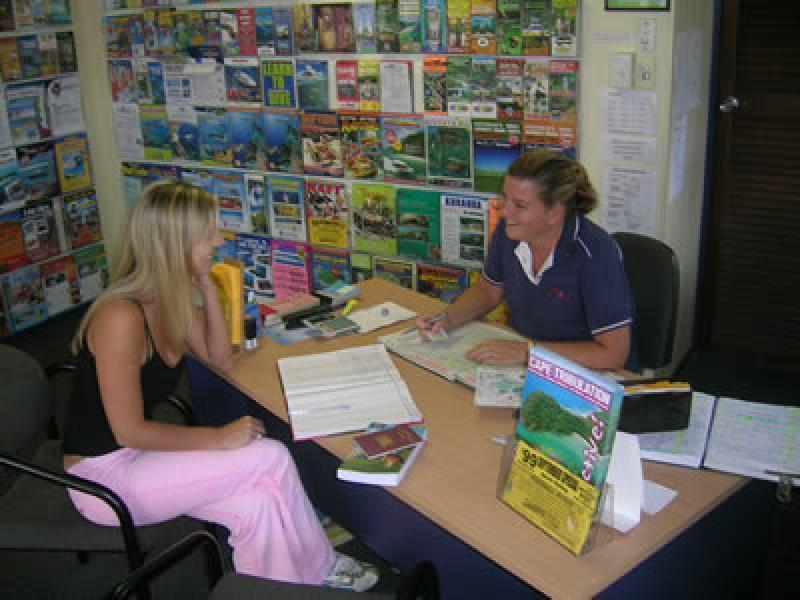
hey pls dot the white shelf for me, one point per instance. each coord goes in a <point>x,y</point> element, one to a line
<point>37,79</point>
<point>35,30</point>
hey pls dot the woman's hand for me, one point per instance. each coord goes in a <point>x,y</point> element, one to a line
<point>499,352</point>
<point>240,432</point>
<point>431,326</point>
<point>203,282</point>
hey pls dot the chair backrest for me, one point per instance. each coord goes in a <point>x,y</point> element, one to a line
<point>24,407</point>
<point>654,278</point>
<point>25,404</point>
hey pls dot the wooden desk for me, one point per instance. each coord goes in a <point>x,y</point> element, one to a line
<point>453,486</point>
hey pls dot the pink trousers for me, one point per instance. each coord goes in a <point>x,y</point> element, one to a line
<point>254,491</point>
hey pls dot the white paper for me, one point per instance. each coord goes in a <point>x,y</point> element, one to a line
<point>630,112</point>
<point>396,92</point>
<point>622,510</point>
<point>630,149</point>
<point>128,130</point>
<point>686,446</point>
<point>631,198</point>
<point>679,141</point>
<point>655,497</point>
<point>381,315</point>
<point>64,102</point>
<point>749,438</point>
<point>194,84</point>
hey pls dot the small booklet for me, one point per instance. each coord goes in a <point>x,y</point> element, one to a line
<point>387,470</point>
<point>338,293</point>
<point>330,326</point>
<point>499,386</point>
<point>387,441</point>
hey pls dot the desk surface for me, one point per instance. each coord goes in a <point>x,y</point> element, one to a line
<point>454,480</point>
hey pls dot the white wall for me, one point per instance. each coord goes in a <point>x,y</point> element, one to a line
<point>96,93</point>
<point>678,203</point>
<point>603,33</point>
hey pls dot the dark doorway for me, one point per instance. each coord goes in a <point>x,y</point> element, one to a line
<point>748,293</point>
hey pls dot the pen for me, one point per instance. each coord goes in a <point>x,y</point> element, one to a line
<point>336,408</point>
<point>436,318</point>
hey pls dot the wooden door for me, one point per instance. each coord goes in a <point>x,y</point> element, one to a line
<point>750,287</point>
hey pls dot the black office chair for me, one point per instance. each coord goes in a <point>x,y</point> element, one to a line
<point>421,584</point>
<point>654,276</point>
<point>35,511</point>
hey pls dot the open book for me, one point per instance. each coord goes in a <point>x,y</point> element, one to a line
<point>344,390</point>
<point>447,356</point>
<point>735,436</point>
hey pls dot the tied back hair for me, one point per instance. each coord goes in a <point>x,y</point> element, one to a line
<point>153,258</point>
<point>558,178</point>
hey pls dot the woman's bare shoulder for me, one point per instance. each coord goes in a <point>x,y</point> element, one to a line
<point>118,319</point>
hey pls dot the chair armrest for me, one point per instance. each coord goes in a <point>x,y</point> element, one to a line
<point>178,551</point>
<point>131,540</point>
<point>53,427</point>
<point>183,407</point>
<point>62,367</point>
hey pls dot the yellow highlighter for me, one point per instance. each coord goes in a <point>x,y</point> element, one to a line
<point>349,307</point>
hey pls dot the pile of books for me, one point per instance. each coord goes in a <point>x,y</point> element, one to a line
<point>383,454</point>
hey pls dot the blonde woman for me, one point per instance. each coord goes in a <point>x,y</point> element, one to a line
<point>129,349</point>
<point>561,274</point>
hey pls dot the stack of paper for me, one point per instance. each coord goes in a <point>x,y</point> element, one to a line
<point>345,390</point>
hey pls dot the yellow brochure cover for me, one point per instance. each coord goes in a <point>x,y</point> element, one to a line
<point>551,497</point>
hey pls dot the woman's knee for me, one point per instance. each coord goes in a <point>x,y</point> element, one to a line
<point>272,453</point>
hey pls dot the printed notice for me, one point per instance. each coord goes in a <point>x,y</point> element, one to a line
<point>630,199</point>
<point>631,112</point>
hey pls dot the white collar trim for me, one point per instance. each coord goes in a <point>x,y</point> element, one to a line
<point>525,257</point>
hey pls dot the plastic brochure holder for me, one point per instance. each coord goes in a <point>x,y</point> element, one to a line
<point>532,490</point>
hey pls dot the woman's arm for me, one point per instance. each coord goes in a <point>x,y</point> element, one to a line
<point>475,302</point>
<point>208,337</point>
<point>116,338</point>
<point>607,350</point>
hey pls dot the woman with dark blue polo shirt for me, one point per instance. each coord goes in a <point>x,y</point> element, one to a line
<point>561,275</point>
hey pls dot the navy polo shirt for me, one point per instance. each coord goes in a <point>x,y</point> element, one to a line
<point>583,292</point>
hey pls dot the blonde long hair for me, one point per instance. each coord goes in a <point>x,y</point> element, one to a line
<point>153,257</point>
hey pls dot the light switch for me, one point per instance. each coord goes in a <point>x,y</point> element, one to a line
<point>647,35</point>
<point>646,71</point>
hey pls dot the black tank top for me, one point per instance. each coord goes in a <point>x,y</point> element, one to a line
<point>87,432</point>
